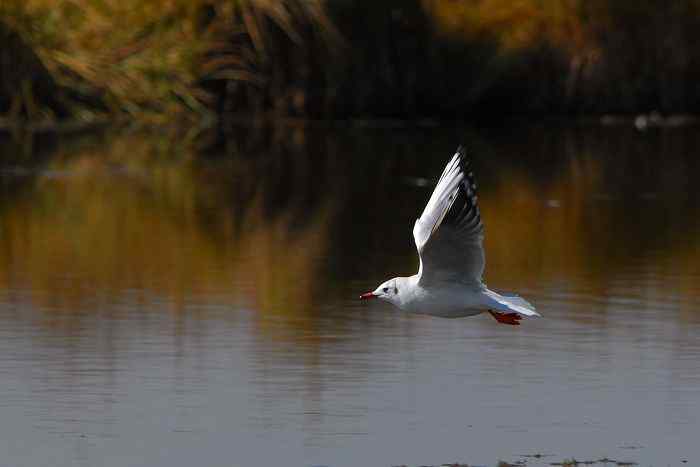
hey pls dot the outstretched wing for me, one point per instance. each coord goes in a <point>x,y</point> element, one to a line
<point>449,233</point>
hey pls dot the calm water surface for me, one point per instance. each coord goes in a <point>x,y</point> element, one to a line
<point>174,301</point>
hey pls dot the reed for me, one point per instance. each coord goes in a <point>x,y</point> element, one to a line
<point>143,59</point>
<point>342,59</point>
<point>480,59</point>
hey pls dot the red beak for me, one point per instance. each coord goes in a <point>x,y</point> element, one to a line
<point>367,296</point>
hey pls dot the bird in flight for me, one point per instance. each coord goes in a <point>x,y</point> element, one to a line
<point>449,236</point>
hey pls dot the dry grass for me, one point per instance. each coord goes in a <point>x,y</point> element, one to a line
<point>145,58</point>
<point>408,59</point>
<point>515,24</point>
<point>616,57</point>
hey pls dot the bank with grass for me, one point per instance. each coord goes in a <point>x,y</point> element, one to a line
<point>237,59</point>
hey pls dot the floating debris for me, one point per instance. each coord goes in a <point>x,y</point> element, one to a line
<point>573,462</point>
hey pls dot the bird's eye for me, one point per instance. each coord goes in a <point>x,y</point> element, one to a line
<point>385,289</point>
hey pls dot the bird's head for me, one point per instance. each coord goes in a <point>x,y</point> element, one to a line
<point>388,291</point>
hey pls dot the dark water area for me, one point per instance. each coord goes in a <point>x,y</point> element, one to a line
<point>168,300</point>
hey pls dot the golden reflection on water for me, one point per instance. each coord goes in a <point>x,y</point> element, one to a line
<point>99,224</point>
<point>581,235</point>
<point>131,217</point>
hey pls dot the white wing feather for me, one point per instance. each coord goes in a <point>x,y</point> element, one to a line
<point>449,232</point>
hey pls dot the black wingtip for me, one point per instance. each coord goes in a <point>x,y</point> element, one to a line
<point>464,211</point>
<point>464,160</point>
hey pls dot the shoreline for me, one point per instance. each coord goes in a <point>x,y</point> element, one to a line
<point>639,121</point>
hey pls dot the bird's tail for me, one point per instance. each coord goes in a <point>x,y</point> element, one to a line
<point>508,303</point>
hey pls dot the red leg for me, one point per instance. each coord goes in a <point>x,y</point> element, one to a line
<point>507,318</point>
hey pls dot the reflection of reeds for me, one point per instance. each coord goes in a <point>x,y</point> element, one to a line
<point>562,215</point>
<point>270,226</point>
<point>101,226</point>
<point>593,224</point>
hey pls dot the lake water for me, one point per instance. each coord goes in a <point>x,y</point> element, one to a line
<point>179,300</point>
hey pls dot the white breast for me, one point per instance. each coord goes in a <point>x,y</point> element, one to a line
<point>447,301</point>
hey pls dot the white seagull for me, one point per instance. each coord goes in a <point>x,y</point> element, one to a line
<point>449,237</point>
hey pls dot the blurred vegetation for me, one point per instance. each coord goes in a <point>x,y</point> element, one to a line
<point>131,57</point>
<point>158,59</point>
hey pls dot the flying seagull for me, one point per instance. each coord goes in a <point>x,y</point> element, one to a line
<point>449,236</point>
